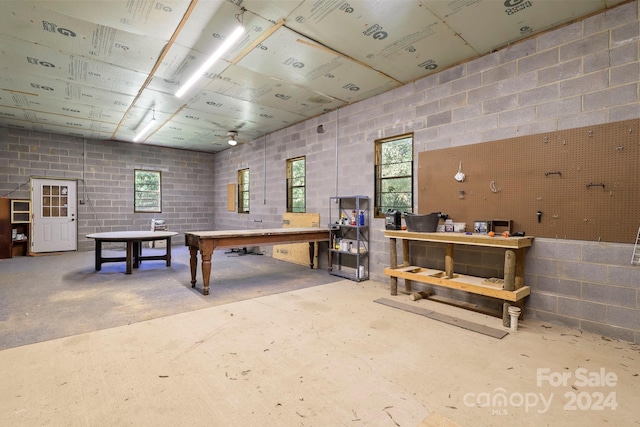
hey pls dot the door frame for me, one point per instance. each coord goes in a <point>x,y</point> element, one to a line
<point>36,206</point>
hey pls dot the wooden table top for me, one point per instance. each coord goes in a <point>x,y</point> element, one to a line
<point>123,236</point>
<point>256,232</point>
<point>476,239</point>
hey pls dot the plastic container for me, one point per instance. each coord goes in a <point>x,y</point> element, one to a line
<point>459,227</point>
<point>425,223</point>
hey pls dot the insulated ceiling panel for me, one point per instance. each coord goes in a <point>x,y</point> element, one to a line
<point>82,132</point>
<point>265,90</point>
<point>27,22</point>
<point>404,42</point>
<point>69,110</point>
<point>510,20</point>
<point>145,17</point>
<point>24,87</point>
<point>69,122</point>
<point>25,57</point>
<point>243,110</point>
<point>290,57</point>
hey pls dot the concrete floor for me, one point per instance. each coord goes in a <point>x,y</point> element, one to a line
<point>320,355</point>
<point>54,296</point>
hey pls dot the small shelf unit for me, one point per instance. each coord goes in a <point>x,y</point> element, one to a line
<point>349,237</point>
<point>15,227</point>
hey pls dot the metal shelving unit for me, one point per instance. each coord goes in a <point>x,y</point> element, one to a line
<point>349,237</point>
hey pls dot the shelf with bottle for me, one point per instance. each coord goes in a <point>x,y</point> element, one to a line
<point>349,237</point>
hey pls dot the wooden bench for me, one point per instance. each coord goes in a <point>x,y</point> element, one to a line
<point>510,289</point>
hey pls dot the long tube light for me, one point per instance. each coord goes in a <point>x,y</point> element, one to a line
<point>144,130</point>
<point>213,58</point>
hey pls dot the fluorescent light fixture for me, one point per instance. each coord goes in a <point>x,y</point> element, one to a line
<point>213,58</point>
<point>144,130</point>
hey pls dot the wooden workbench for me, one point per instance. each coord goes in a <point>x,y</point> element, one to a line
<point>207,241</point>
<point>513,290</point>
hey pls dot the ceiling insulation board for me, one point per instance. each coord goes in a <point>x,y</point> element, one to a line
<point>25,22</point>
<point>403,42</point>
<point>210,102</point>
<point>250,86</point>
<point>32,58</point>
<point>60,91</point>
<point>186,137</point>
<point>57,119</point>
<point>178,66</point>
<point>151,99</point>
<point>211,22</point>
<point>45,105</point>
<point>507,23</point>
<point>145,17</point>
<point>58,130</point>
<point>189,116</point>
<point>290,57</point>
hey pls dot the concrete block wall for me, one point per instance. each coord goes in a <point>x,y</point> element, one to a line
<point>591,286</point>
<point>104,172</point>
<point>585,73</point>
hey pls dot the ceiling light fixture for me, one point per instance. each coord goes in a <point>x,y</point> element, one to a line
<point>145,129</point>
<point>232,138</point>
<point>237,33</point>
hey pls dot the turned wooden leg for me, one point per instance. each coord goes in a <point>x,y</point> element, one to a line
<point>312,253</point>
<point>193,262</point>
<point>206,272</point>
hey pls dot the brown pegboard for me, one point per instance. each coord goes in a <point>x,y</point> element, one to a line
<point>517,177</point>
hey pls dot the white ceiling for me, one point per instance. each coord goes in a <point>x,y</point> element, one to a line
<point>102,69</point>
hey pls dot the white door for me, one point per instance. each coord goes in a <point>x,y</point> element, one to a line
<point>54,227</point>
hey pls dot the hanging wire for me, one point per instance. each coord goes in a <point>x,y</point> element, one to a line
<point>240,16</point>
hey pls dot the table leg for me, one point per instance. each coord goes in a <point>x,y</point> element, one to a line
<point>509,270</point>
<point>312,253</point>
<point>129,256</point>
<point>448,261</point>
<point>393,263</point>
<point>98,255</point>
<point>206,271</point>
<point>405,263</point>
<point>168,251</point>
<point>519,279</point>
<point>193,262</point>
<point>136,253</point>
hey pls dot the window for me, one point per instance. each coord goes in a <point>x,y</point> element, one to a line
<point>394,174</point>
<point>243,191</point>
<point>296,185</point>
<point>147,191</point>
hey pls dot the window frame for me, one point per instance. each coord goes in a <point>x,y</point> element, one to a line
<point>379,210</point>
<point>244,189</point>
<point>291,186</point>
<point>140,209</point>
